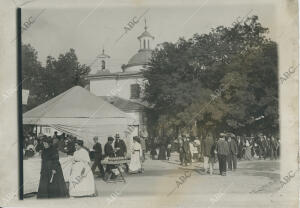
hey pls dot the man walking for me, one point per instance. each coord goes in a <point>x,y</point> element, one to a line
<point>98,157</point>
<point>232,156</point>
<point>222,151</point>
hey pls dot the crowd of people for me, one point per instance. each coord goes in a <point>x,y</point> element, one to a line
<point>227,149</point>
<point>81,178</point>
<point>205,149</point>
<point>33,145</point>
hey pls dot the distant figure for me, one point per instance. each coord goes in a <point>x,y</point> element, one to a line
<point>232,156</point>
<point>52,183</point>
<point>180,150</point>
<point>187,158</point>
<point>212,157</point>
<point>274,145</point>
<point>162,151</point>
<point>193,151</point>
<point>239,143</point>
<point>265,147</point>
<point>248,150</point>
<point>223,151</point>
<point>153,149</point>
<point>278,149</point>
<point>207,144</point>
<point>260,147</point>
<point>98,157</point>
<point>136,156</point>
<point>169,146</point>
<point>81,179</point>
<point>143,144</point>
<point>198,145</point>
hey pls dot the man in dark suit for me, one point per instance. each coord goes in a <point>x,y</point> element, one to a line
<point>109,152</point>
<point>121,149</point>
<point>232,156</point>
<point>223,151</point>
<point>98,157</point>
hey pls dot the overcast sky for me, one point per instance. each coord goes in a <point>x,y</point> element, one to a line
<point>90,28</point>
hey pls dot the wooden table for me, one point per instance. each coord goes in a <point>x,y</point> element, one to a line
<point>118,164</point>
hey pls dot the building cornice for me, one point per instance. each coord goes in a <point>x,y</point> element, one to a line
<point>121,75</point>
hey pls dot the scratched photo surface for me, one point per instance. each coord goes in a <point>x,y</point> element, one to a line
<point>157,105</point>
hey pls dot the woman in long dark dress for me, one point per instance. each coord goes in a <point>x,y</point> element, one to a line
<point>162,151</point>
<point>52,182</point>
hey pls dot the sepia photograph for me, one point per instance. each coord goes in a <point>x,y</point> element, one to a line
<point>156,105</point>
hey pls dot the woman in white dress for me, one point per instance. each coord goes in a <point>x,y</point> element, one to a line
<point>81,178</point>
<point>136,154</point>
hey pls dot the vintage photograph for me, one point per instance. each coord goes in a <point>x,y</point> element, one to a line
<point>153,106</point>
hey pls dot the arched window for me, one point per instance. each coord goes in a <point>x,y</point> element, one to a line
<point>144,43</point>
<point>148,44</point>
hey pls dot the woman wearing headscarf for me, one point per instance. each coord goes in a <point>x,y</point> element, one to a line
<point>81,177</point>
<point>136,155</point>
<point>52,183</point>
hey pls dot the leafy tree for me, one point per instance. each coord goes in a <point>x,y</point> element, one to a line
<point>56,77</point>
<point>31,74</point>
<point>218,81</point>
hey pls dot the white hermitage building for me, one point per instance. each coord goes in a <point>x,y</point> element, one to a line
<point>124,89</point>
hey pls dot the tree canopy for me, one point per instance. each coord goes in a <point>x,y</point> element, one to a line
<point>225,80</point>
<point>56,77</point>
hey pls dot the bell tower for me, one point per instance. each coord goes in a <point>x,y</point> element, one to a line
<point>103,61</point>
<point>145,39</point>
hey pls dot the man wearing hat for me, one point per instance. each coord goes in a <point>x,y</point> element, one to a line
<point>109,152</point>
<point>120,146</point>
<point>223,151</point>
<point>98,157</point>
<point>121,149</point>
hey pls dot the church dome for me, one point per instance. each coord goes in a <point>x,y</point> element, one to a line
<point>142,57</point>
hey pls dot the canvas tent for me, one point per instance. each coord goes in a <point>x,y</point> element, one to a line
<point>82,114</point>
